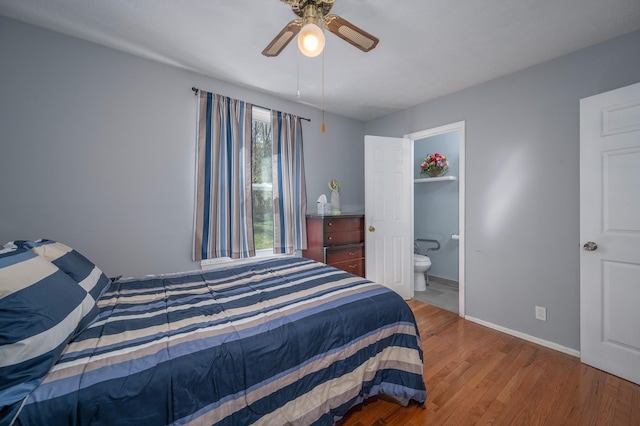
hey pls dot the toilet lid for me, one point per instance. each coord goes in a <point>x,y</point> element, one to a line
<point>419,258</point>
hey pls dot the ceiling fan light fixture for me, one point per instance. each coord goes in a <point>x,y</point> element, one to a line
<point>313,18</point>
<point>311,40</point>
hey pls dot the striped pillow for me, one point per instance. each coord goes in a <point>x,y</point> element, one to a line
<point>78,267</point>
<point>41,309</point>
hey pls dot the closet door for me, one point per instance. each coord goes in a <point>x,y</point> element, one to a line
<point>610,232</point>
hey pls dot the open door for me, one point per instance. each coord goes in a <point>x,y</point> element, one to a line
<point>388,213</point>
<point>610,232</point>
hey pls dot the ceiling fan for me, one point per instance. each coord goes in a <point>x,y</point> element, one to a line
<point>313,14</point>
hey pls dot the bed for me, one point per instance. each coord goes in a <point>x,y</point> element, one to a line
<point>284,340</point>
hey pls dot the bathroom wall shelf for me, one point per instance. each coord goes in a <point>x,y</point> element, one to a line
<point>435,179</point>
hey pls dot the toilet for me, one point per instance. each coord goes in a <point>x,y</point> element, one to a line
<point>420,265</point>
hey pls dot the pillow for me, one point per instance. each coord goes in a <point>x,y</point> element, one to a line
<point>76,266</point>
<point>41,309</point>
<point>10,246</point>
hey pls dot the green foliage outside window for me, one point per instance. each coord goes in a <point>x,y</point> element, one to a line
<point>261,180</point>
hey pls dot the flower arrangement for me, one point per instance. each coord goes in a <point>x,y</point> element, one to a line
<point>434,165</point>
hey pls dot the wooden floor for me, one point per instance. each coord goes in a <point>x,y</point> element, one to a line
<point>476,375</point>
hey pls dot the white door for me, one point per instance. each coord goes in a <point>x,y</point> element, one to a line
<point>388,181</point>
<point>610,232</point>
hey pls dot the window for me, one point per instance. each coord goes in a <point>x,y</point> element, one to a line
<point>247,143</point>
<point>262,180</point>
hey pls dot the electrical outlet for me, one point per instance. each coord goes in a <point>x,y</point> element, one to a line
<point>541,313</point>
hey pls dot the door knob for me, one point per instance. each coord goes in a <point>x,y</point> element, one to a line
<point>590,246</point>
<point>372,229</point>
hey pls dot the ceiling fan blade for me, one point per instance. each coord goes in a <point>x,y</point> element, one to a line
<point>350,33</point>
<point>283,38</point>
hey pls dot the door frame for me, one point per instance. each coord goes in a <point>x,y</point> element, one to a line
<point>435,131</point>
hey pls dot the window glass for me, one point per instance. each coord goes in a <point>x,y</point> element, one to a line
<point>261,180</point>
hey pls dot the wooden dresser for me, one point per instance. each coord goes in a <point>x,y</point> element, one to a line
<point>337,240</point>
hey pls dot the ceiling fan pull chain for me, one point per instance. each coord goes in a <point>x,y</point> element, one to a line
<point>298,75</point>
<point>323,127</point>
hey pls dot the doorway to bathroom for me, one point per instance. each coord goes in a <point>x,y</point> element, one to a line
<point>438,218</point>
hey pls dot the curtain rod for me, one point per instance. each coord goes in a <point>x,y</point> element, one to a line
<point>196,90</point>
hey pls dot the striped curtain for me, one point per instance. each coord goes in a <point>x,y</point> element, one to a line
<point>223,214</point>
<point>289,188</point>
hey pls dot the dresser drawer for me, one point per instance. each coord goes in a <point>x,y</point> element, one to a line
<point>345,253</point>
<point>347,237</point>
<point>355,267</point>
<point>342,224</point>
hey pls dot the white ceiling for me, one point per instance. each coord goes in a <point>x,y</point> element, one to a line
<point>427,49</point>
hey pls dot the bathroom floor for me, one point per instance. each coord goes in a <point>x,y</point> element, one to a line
<point>441,295</point>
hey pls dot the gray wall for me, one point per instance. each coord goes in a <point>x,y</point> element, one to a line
<point>97,150</point>
<point>522,186</point>
<point>436,205</point>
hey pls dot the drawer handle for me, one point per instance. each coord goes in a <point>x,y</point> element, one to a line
<point>351,253</point>
<point>330,223</point>
<point>330,238</point>
<point>353,266</point>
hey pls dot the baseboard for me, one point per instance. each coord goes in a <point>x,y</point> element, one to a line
<point>445,281</point>
<point>527,337</point>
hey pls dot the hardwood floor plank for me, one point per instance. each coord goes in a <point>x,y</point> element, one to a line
<point>635,405</point>
<point>547,388</point>
<point>475,376</point>
<point>622,411</point>
<point>466,406</point>
<point>501,393</point>
<point>589,393</point>
<point>606,409</point>
<point>567,405</point>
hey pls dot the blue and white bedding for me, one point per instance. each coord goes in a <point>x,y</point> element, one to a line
<point>278,341</point>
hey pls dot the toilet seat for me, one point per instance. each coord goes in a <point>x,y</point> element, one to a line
<point>419,259</point>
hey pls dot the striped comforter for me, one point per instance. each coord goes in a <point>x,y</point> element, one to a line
<point>278,341</point>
